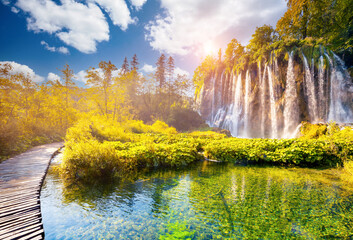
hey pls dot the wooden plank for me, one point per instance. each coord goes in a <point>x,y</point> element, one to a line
<point>16,201</point>
<point>21,179</point>
<point>19,210</point>
<point>14,204</point>
<point>29,196</point>
<point>14,193</point>
<point>24,182</point>
<point>18,193</point>
<point>19,188</point>
<point>22,216</point>
<point>37,235</point>
<point>19,221</point>
<point>21,232</point>
<point>20,226</point>
<point>5,211</point>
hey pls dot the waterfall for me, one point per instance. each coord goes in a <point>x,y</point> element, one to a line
<point>322,100</point>
<point>278,104</point>
<point>291,108</point>
<point>263,102</point>
<point>310,91</point>
<point>247,103</point>
<point>237,107</point>
<point>339,76</point>
<point>274,125</point>
<point>230,116</point>
<point>210,120</point>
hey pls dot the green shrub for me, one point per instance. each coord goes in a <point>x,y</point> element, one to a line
<point>98,148</point>
<point>106,149</point>
<point>286,151</point>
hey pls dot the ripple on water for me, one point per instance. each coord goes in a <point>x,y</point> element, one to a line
<point>207,201</point>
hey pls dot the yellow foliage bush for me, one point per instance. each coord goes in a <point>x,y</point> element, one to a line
<point>97,147</point>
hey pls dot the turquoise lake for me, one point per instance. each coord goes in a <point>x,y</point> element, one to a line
<point>205,201</point>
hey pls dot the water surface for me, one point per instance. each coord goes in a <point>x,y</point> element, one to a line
<point>205,201</point>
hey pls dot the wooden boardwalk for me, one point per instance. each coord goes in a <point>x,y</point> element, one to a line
<point>21,179</point>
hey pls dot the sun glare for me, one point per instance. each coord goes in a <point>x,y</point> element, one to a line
<point>209,49</point>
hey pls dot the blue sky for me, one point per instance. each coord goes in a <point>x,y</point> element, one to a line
<point>41,36</point>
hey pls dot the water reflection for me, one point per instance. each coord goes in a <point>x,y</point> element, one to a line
<point>209,200</point>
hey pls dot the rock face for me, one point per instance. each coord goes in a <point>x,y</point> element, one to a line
<point>270,99</point>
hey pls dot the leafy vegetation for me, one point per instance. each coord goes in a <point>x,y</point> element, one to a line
<point>97,149</point>
<point>32,113</point>
<point>320,145</point>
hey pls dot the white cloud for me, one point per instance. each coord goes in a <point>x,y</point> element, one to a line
<point>138,3</point>
<point>24,69</point>
<point>53,77</point>
<point>81,76</point>
<point>6,2</point>
<point>62,50</point>
<point>148,68</point>
<point>188,24</point>
<point>118,12</point>
<point>15,10</point>
<point>78,25</point>
<point>179,71</point>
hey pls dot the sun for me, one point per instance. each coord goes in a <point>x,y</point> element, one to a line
<point>209,48</point>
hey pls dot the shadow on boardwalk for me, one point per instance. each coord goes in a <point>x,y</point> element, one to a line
<point>21,179</point>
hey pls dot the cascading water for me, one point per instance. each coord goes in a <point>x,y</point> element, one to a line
<point>213,90</point>
<point>310,91</point>
<point>237,107</point>
<point>247,102</point>
<point>274,125</point>
<point>339,78</point>
<point>322,100</point>
<point>271,98</point>
<point>263,101</point>
<point>291,100</point>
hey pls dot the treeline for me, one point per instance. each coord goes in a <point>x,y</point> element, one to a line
<point>32,113</point>
<point>306,23</point>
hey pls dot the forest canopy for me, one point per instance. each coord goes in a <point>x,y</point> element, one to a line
<point>32,113</point>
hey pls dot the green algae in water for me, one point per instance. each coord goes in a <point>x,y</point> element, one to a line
<point>207,201</point>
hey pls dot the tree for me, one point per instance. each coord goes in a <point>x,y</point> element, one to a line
<point>27,88</point>
<point>220,55</point>
<point>330,20</point>
<point>170,74</point>
<point>233,54</point>
<point>170,68</point>
<point>202,72</point>
<point>161,71</point>
<point>294,22</point>
<point>125,66</point>
<point>7,88</point>
<point>68,76</point>
<point>261,40</point>
<point>102,79</point>
<point>134,63</point>
<point>263,37</point>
